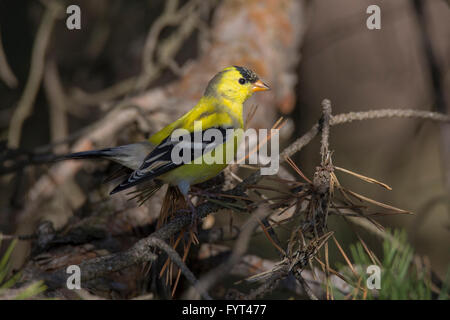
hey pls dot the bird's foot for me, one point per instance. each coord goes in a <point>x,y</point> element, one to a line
<point>194,216</point>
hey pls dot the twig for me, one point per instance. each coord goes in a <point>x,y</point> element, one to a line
<point>342,118</point>
<point>6,73</point>
<point>268,286</point>
<point>57,101</point>
<point>25,106</point>
<point>326,117</point>
<point>388,113</point>
<point>305,286</point>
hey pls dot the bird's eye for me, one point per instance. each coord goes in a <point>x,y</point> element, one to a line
<point>242,81</point>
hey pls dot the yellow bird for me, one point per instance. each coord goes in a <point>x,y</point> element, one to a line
<point>219,109</point>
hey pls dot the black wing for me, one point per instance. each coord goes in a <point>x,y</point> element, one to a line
<point>160,161</point>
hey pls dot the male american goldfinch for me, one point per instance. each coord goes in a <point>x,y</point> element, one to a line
<point>220,108</point>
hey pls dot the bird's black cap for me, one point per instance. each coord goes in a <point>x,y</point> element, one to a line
<point>247,74</point>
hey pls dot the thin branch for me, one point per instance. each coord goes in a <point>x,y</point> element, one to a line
<point>388,113</point>
<point>59,127</point>
<point>6,73</point>
<point>326,117</point>
<point>25,106</point>
<point>342,118</point>
<point>268,285</point>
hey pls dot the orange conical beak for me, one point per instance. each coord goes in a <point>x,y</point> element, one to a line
<point>260,86</point>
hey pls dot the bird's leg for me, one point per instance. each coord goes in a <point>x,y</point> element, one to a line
<point>193,211</point>
<point>184,188</point>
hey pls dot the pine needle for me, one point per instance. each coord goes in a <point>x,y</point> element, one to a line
<point>270,238</point>
<point>367,179</point>
<point>297,169</point>
<point>380,204</point>
<point>345,256</point>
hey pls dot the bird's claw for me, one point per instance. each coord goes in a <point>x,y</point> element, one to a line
<point>194,217</point>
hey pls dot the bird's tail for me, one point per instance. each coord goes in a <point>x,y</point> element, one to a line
<point>130,155</point>
<point>92,154</point>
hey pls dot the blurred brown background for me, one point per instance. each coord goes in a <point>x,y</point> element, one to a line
<point>360,69</point>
